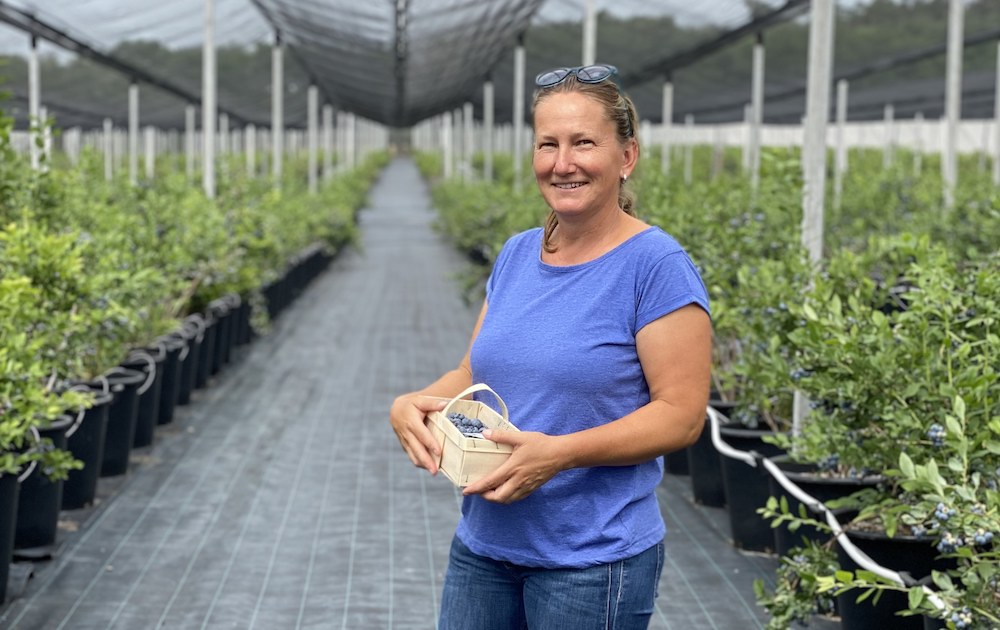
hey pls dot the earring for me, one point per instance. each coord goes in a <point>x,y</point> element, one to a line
<point>624,178</point>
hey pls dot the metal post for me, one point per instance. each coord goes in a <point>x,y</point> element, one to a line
<point>312,116</point>
<point>518,112</point>
<point>667,126</point>
<point>109,150</point>
<point>888,151</point>
<point>352,142</point>
<point>814,149</point>
<point>757,110</point>
<point>149,134</point>
<point>251,149</point>
<point>277,108</point>
<point>688,148</point>
<point>34,103</point>
<point>747,157</point>
<point>841,151</point>
<point>189,114</point>
<point>589,33</point>
<point>133,134</point>
<point>996,123</point>
<point>43,118</point>
<point>952,100</point>
<point>327,142</point>
<point>208,103</point>
<point>488,116</point>
<point>467,149</point>
<point>918,151</point>
<point>448,158</point>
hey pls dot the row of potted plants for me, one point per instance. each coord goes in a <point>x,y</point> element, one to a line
<point>884,341</point>
<point>93,271</point>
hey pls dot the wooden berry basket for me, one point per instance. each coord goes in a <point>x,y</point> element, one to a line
<point>465,459</point>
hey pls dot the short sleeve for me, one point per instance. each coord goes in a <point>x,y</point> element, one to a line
<point>672,282</point>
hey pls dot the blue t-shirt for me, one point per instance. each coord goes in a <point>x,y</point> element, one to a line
<point>558,344</point>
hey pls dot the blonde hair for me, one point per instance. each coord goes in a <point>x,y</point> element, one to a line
<point>619,109</point>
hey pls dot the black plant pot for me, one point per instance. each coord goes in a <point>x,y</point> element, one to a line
<point>223,334</point>
<point>676,463</point>
<point>916,556</point>
<point>40,498</point>
<point>173,347</point>
<point>704,465</point>
<point>85,441</point>
<point>747,488</point>
<point>821,488</point>
<point>125,384</point>
<point>9,488</point>
<point>206,354</point>
<point>193,334</point>
<point>149,361</point>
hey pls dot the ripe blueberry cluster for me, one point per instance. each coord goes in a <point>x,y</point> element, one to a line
<point>983,537</point>
<point>962,618</point>
<point>936,435</point>
<point>942,512</point>
<point>950,543</point>
<point>470,427</point>
<point>830,462</point>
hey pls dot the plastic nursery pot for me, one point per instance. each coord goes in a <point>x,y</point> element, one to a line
<point>193,334</point>
<point>85,441</point>
<point>206,354</point>
<point>704,465</point>
<point>149,361</point>
<point>40,498</point>
<point>747,488</point>
<point>125,384</point>
<point>173,348</point>
<point>916,556</point>
<point>9,488</point>
<point>223,316</point>
<point>823,488</point>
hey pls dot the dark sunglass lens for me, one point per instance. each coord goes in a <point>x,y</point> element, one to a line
<point>551,77</point>
<point>593,74</point>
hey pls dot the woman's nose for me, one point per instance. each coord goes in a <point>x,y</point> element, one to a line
<point>564,161</point>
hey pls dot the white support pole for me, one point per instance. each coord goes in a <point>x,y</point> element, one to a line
<point>277,109</point>
<point>149,140</point>
<point>918,151</point>
<point>488,122</point>
<point>841,146</point>
<point>467,148</point>
<point>757,111</point>
<point>747,158</point>
<point>34,104</point>
<point>688,148</point>
<point>133,134</point>
<point>43,117</point>
<point>996,123</point>
<point>208,102</point>
<point>189,139</point>
<point>446,145</point>
<point>666,129</point>
<point>327,142</point>
<point>589,33</point>
<point>225,138</point>
<point>352,140</point>
<point>814,149</point>
<point>518,113</point>
<point>952,100</point>
<point>109,150</point>
<point>889,121</point>
<point>718,152</point>
<point>250,147</point>
<point>312,122</point>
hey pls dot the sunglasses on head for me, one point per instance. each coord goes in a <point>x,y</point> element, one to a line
<point>584,74</point>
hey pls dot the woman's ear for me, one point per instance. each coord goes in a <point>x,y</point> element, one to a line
<point>630,156</point>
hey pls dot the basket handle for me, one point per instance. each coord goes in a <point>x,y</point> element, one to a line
<point>478,387</point>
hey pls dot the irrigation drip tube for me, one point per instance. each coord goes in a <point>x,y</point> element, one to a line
<point>754,459</point>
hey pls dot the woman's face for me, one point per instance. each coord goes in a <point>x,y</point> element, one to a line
<point>578,159</point>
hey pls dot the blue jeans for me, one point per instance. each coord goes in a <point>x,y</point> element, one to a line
<point>485,594</point>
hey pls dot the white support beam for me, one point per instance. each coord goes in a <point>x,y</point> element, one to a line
<point>889,121</point>
<point>149,142</point>
<point>312,122</point>
<point>756,110</point>
<point>448,160</point>
<point>666,129</point>
<point>467,148</point>
<point>189,142</point>
<point>688,149</point>
<point>518,114</point>
<point>952,100</point>
<point>133,134</point>
<point>277,109</point>
<point>488,123</point>
<point>109,150</point>
<point>840,168</point>
<point>589,32</point>
<point>996,123</point>
<point>208,102</point>
<point>34,104</point>
<point>250,147</point>
<point>327,142</point>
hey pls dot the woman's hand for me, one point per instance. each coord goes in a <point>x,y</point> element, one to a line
<point>536,459</point>
<point>407,416</point>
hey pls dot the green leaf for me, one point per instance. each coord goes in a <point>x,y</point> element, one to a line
<point>906,465</point>
<point>916,596</point>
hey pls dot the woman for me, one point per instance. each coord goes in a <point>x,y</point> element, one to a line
<point>596,333</point>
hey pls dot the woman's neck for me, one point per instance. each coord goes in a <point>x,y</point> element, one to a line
<point>578,242</point>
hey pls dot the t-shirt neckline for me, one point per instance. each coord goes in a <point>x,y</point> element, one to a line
<point>608,254</point>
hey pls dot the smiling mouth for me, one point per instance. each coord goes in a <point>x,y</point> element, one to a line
<point>569,186</point>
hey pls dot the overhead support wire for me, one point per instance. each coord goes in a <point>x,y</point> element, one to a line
<point>656,69</point>
<point>28,23</point>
